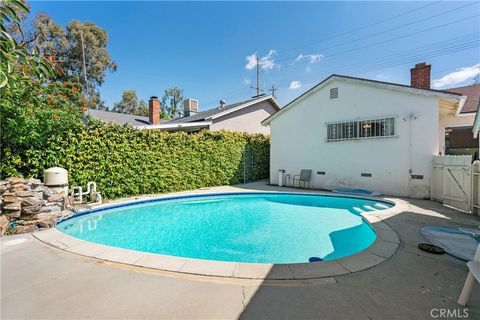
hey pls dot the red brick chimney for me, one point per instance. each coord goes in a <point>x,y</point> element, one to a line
<point>154,110</point>
<point>420,76</point>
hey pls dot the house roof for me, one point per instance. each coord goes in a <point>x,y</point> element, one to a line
<point>120,118</point>
<point>383,84</point>
<point>218,112</point>
<point>473,97</point>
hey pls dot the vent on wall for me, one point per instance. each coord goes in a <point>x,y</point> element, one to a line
<point>333,93</point>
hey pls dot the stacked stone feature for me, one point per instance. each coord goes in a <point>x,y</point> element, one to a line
<point>27,205</point>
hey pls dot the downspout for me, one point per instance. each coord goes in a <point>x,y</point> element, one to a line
<point>410,117</point>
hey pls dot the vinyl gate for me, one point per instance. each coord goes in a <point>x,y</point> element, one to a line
<point>455,182</point>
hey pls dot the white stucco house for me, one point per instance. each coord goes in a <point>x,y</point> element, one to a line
<point>367,134</point>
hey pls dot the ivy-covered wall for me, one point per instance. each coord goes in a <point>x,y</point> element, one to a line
<point>124,161</point>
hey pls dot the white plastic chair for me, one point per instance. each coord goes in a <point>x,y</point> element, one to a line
<point>473,274</point>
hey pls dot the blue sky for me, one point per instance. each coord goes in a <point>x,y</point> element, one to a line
<point>206,48</point>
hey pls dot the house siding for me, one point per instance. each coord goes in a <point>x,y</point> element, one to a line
<point>298,140</point>
<point>246,120</point>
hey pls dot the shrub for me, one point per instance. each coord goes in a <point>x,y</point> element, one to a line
<point>32,114</point>
<point>124,161</point>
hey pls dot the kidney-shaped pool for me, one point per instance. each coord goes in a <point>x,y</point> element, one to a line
<point>256,228</point>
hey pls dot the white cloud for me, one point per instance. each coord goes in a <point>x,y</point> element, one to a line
<point>251,61</point>
<point>308,69</point>
<point>457,76</point>
<point>295,85</point>
<point>247,81</point>
<point>267,62</point>
<point>312,58</point>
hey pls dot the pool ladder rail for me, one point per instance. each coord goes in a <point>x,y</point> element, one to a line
<point>77,193</point>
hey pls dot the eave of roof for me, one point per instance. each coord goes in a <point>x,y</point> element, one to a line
<point>476,124</point>
<point>473,97</point>
<point>388,85</point>
<point>177,126</point>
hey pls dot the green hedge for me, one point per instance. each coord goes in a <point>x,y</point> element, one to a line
<point>124,161</point>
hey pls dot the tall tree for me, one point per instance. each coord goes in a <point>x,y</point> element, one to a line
<point>64,50</point>
<point>93,61</point>
<point>172,102</point>
<point>49,37</point>
<point>131,104</point>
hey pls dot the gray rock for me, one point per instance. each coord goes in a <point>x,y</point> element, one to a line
<point>26,194</point>
<point>32,210</point>
<point>46,223</point>
<point>12,207</point>
<point>47,192</point>
<point>3,188</point>
<point>11,199</point>
<point>24,229</point>
<point>53,207</point>
<point>16,180</point>
<point>18,187</point>
<point>27,222</point>
<point>15,214</point>
<point>32,202</point>
<point>55,198</point>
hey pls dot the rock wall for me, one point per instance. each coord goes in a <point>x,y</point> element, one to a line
<point>27,205</point>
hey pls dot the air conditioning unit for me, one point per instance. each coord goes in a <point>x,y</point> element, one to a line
<point>190,105</point>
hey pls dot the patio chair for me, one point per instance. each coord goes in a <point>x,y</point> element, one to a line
<point>304,177</point>
<point>473,274</point>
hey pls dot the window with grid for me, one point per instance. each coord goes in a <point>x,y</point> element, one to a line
<point>361,129</point>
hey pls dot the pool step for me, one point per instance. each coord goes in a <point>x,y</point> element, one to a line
<point>381,206</point>
<point>368,208</point>
<point>359,210</point>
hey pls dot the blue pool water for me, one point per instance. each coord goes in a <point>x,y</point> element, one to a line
<point>258,228</point>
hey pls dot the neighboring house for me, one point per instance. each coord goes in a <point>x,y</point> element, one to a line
<point>245,116</point>
<point>458,128</point>
<point>365,133</point>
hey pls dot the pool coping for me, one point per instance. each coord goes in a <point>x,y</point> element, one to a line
<point>382,249</point>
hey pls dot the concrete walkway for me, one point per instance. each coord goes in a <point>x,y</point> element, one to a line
<point>41,282</point>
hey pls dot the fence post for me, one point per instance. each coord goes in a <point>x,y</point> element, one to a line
<point>475,188</point>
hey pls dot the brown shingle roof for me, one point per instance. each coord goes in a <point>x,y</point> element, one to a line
<point>473,97</point>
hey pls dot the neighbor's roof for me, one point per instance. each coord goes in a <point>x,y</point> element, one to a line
<point>383,84</point>
<point>120,118</point>
<point>218,112</point>
<point>473,97</point>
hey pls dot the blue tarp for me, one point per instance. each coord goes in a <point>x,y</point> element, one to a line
<point>460,243</point>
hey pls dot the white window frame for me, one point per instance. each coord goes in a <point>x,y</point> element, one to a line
<point>351,130</point>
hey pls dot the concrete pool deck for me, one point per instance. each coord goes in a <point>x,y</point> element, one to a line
<point>39,281</point>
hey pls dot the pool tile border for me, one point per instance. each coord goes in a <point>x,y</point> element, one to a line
<point>383,248</point>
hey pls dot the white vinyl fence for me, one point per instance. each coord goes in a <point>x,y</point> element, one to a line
<point>456,182</point>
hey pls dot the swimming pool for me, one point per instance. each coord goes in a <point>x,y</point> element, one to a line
<point>254,227</point>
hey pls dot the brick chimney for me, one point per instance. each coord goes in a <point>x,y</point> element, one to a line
<point>154,110</point>
<point>420,76</point>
